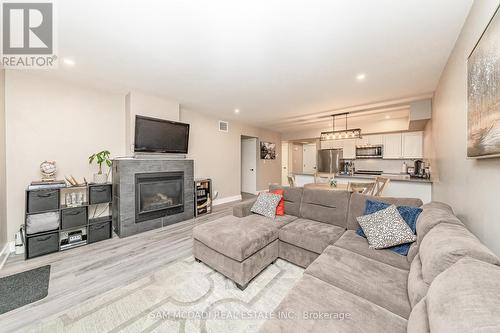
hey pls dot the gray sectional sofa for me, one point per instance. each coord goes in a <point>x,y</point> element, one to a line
<point>449,282</point>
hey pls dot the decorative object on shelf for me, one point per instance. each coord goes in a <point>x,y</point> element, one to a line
<point>202,196</point>
<point>267,150</point>
<point>73,182</point>
<point>483,92</point>
<point>48,170</point>
<point>354,133</point>
<point>101,158</point>
<point>46,185</point>
<point>332,182</point>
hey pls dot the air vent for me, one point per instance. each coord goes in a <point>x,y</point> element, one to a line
<point>223,126</point>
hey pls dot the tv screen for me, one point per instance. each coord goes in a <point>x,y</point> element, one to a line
<point>160,136</point>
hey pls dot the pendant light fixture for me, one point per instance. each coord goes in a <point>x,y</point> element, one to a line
<point>354,133</point>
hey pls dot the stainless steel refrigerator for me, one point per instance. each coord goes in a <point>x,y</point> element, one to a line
<point>329,160</point>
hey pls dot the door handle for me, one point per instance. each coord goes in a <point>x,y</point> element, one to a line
<point>251,169</point>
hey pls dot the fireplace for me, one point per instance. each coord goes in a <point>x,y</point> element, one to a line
<point>158,194</point>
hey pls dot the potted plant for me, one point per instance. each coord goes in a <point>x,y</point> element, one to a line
<point>100,158</point>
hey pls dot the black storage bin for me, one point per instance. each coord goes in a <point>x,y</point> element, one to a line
<point>99,231</point>
<point>42,244</point>
<point>73,217</point>
<point>43,200</point>
<point>99,194</point>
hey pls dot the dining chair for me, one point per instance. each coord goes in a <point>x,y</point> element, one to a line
<point>361,188</point>
<point>291,181</point>
<point>379,186</point>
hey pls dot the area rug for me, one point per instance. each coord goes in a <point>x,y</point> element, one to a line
<point>185,296</point>
<point>24,288</point>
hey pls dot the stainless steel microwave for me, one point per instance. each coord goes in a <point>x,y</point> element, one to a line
<point>370,151</point>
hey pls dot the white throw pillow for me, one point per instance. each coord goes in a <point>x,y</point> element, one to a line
<point>266,204</point>
<point>386,228</point>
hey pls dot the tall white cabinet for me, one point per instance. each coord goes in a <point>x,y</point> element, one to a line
<point>408,145</point>
<point>413,145</point>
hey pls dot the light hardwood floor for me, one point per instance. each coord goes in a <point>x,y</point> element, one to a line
<point>88,271</point>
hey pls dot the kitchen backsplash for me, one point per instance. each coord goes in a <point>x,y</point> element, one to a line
<point>387,166</point>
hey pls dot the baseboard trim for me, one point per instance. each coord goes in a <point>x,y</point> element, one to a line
<point>4,254</point>
<point>226,200</point>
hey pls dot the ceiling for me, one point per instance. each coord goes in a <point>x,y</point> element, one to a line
<point>273,60</point>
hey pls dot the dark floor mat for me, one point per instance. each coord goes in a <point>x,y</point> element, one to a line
<point>23,288</point>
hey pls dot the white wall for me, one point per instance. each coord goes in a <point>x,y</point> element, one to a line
<point>217,155</point>
<point>138,103</point>
<point>3,185</point>
<point>49,119</point>
<point>470,186</point>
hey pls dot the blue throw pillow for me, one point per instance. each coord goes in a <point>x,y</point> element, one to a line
<point>409,214</point>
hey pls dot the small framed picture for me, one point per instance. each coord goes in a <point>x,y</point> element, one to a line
<point>267,150</point>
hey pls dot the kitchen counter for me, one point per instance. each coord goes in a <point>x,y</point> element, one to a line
<point>401,186</point>
<point>391,176</point>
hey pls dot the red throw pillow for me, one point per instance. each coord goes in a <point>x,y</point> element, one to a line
<point>280,209</point>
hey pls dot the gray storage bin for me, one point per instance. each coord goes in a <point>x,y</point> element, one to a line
<point>42,244</point>
<point>36,223</point>
<point>73,217</point>
<point>99,194</point>
<point>99,231</point>
<point>43,200</point>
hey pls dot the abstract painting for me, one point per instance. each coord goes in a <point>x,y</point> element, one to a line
<point>483,90</point>
<point>267,150</point>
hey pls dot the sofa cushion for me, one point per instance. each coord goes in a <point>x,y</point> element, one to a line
<point>417,287</point>
<point>386,228</point>
<point>445,244</point>
<point>465,298</point>
<point>310,235</point>
<point>434,213</point>
<point>277,222</point>
<point>325,206</point>
<point>355,243</point>
<point>349,313</point>
<point>379,283</point>
<point>358,202</point>
<point>292,197</point>
<point>419,321</point>
<point>236,238</point>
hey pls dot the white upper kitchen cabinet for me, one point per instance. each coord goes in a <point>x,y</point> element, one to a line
<point>332,144</point>
<point>393,146</point>
<point>370,140</point>
<point>413,145</point>
<point>349,149</point>
<point>375,139</point>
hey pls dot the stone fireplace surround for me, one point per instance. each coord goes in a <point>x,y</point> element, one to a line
<point>124,192</point>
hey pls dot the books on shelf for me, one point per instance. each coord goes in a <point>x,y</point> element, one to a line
<point>47,185</point>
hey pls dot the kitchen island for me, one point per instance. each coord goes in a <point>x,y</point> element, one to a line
<point>399,186</point>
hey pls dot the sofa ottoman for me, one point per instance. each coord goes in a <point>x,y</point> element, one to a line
<point>237,248</point>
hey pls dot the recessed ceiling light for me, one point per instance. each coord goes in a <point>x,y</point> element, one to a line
<point>361,77</point>
<point>236,111</point>
<point>69,62</point>
<point>387,117</point>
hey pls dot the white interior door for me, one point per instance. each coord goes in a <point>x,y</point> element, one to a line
<point>284,163</point>
<point>309,157</point>
<point>249,165</point>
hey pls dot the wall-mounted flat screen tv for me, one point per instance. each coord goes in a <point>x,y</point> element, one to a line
<point>154,135</point>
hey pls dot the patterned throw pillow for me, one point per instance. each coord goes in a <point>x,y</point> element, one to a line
<point>266,204</point>
<point>386,228</point>
<point>408,213</point>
